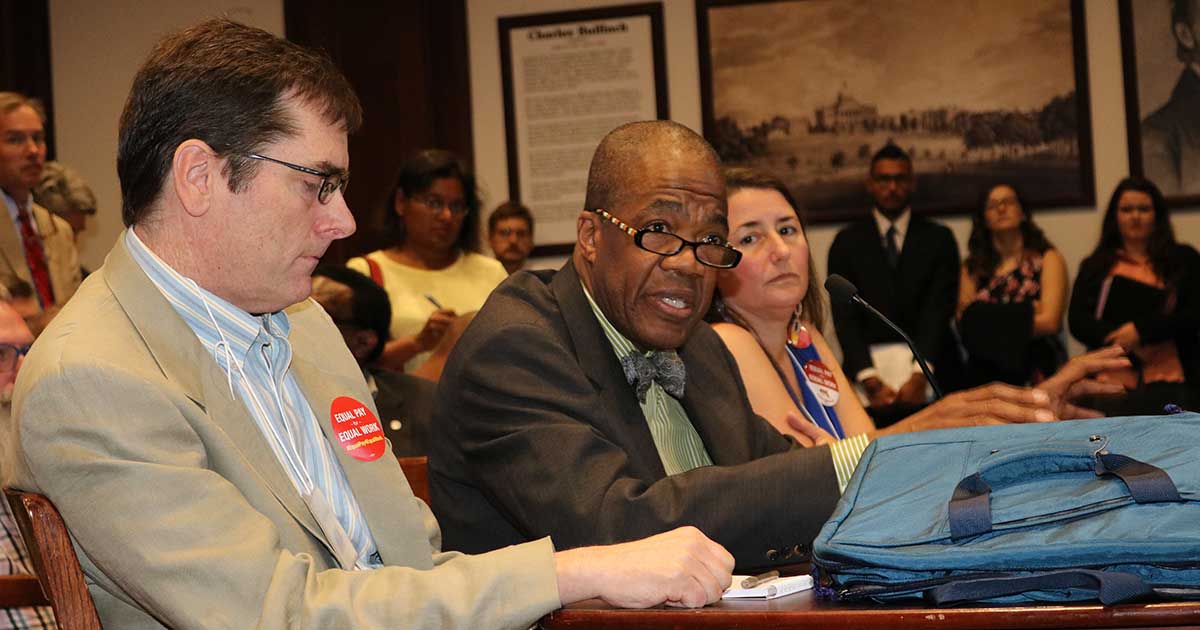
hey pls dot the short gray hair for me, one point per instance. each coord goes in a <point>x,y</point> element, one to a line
<point>62,190</point>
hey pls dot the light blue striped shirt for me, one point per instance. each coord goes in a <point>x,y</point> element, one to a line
<point>260,375</point>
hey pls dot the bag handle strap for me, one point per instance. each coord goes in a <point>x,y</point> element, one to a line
<point>376,272</point>
<point>1112,587</point>
<point>970,506</point>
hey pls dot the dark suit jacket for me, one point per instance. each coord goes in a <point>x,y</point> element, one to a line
<point>540,434</point>
<point>920,294</point>
<point>408,400</point>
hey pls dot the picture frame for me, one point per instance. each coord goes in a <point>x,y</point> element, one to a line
<point>809,90</point>
<point>1161,95</point>
<point>569,78</point>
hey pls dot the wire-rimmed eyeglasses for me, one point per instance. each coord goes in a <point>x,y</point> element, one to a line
<point>720,255</point>
<point>9,355</point>
<point>437,204</point>
<point>331,181</point>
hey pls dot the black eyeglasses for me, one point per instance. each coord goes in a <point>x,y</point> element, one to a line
<point>330,181</point>
<point>9,355</point>
<point>903,178</point>
<point>720,255</point>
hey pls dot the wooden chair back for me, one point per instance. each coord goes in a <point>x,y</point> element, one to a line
<point>53,560</point>
<point>416,469</point>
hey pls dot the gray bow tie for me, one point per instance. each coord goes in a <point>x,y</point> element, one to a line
<point>665,367</point>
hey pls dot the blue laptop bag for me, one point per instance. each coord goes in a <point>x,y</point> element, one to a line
<point>1104,509</point>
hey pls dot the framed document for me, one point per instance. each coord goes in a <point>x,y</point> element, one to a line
<point>978,93</point>
<point>570,78</point>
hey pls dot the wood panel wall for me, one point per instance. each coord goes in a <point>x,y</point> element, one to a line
<point>408,62</point>
<point>25,55</point>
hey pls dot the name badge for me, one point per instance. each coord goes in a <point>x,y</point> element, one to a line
<point>822,382</point>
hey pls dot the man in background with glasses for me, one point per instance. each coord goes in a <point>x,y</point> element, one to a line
<point>907,267</point>
<point>510,234</point>
<point>15,338</point>
<point>35,246</point>
<point>218,459</point>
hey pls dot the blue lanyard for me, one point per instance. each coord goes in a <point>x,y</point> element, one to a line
<point>821,415</point>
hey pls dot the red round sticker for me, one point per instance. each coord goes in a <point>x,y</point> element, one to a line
<point>357,429</point>
<point>822,382</point>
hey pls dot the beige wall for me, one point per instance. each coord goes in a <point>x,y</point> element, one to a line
<point>1073,230</point>
<point>95,48</point>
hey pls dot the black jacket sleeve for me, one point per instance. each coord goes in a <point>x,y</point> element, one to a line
<point>1088,329</point>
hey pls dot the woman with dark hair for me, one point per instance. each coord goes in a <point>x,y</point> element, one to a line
<point>770,310</point>
<point>1013,288</point>
<point>1140,289</point>
<point>433,271</point>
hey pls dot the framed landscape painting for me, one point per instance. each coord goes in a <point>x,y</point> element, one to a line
<point>978,92</point>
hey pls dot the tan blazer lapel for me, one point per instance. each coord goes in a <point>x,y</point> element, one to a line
<point>184,361</point>
<point>10,250</point>
<point>379,485</point>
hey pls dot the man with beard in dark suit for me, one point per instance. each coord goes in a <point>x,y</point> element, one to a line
<point>907,267</point>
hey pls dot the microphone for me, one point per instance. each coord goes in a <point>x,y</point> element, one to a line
<point>842,290</point>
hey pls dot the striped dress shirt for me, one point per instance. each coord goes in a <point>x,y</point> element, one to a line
<point>257,362</point>
<point>678,444</point>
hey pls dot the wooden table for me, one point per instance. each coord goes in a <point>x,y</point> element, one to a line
<point>806,611</point>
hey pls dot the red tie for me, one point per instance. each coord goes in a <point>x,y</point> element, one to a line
<point>36,259</point>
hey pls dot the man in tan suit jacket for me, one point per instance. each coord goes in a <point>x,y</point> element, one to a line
<point>184,507</point>
<point>22,157</point>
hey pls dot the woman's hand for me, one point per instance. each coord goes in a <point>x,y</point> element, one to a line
<point>913,391</point>
<point>878,394</point>
<point>433,330</point>
<point>397,352</point>
<point>810,434</point>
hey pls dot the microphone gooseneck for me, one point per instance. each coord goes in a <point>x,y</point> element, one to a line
<point>843,291</point>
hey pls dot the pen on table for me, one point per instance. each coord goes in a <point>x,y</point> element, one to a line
<point>755,580</point>
<point>432,300</point>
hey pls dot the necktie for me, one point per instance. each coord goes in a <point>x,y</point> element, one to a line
<point>664,367</point>
<point>889,246</point>
<point>36,258</point>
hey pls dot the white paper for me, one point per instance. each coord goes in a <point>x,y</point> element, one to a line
<point>770,589</point>
<point>894,362</point>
